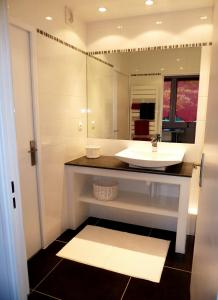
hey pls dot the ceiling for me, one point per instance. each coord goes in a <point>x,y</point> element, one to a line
<point>87,10</point>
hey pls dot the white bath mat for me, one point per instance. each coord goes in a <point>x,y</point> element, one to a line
<point>130,254</point>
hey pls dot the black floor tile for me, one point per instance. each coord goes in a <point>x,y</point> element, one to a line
<point>42,262</point>
<point>38,296</point>
<point>174,285</point>
<point>136,229</point>
<point>67,235</point>
<point>70,233</point>
<point>176,260</point>
<point>72,280</point>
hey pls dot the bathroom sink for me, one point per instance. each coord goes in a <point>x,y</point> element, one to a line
<point>148,159</point>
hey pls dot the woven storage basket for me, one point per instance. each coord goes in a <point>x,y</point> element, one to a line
<point>105,189</point>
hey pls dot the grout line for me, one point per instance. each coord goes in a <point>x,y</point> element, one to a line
<point>125,288</point>
<point>61,241</point>
<point>48,274</point>
<point>178,269</point>
<point>46,295</point>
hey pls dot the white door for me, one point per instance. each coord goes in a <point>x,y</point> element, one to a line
<point>22,87</point>
<point>204,282</point>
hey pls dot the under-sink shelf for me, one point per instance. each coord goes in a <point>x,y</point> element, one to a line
<point>137,202</point>
<point>134,201</point>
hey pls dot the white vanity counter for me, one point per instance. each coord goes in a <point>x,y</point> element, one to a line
<point>81,173</point>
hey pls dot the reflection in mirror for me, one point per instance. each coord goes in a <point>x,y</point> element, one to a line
<point>135,95</point>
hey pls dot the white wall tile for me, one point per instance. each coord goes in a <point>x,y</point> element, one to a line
<point>62,99</point>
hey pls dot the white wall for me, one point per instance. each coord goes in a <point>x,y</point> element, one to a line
<point>177,28</point>
<point>61,104</point>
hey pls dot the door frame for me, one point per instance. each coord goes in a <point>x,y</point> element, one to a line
<point>35,112</point>
<point>13,278</point>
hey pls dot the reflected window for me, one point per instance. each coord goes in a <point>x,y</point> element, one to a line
<point>180,98</point>
<point>187,100</point>
<point>180,101</point>
<point>166,100</point>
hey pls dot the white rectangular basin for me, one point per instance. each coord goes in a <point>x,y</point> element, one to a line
<point>149,159</point>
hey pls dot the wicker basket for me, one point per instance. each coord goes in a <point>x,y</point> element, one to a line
<point>105,189</point>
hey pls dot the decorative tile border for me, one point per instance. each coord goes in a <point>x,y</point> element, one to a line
<point>147,74</point>
<point>92,53</point>
<point>166,47</point>
<point>54,38</point>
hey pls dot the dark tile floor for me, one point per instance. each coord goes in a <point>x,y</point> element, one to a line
<point>54,278</point>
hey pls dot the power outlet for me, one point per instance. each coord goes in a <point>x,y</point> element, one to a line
<point>80,126</point>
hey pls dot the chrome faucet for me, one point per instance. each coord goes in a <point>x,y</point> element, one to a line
<point>154,140</point>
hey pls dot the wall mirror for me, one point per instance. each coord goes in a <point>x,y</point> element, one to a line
<point>134,95</point>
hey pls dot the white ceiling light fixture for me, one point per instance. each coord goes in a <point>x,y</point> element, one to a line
<point>102,9</point>
<point>48,18</point>
<point>149,2</point>
<point>120,27</point>
<point>159,22</point>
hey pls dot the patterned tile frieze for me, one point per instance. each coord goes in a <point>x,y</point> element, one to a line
<point>165,47</point>
<point>146,74</point>
<point>92,53</point>
<point>60,41</point>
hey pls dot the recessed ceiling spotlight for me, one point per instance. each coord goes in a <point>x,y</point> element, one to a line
<point>149,2</point>
<point>178,59</point>
<point>102,9</point>
<point>162,69</point>
<point>181,68</point>
<point>48,18</point>
<point>159,22</point>
<point>203,17</point>
<point>120,27</point>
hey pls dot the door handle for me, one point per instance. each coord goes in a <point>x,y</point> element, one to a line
<point>32,152</point>
<point>201,170</point>
<point>201,165</point>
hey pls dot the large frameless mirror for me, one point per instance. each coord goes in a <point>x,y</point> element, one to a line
<point>135,95</point>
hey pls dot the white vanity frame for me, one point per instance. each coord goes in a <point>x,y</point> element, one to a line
<point>80,198</point>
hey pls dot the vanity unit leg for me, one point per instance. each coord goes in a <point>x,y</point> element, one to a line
<point>77,212</point>
<point>182,216</point>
